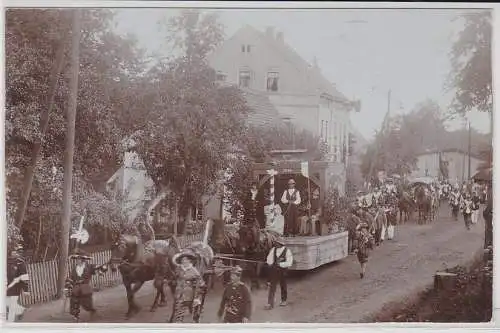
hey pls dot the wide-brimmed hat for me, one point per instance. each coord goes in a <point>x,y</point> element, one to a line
<point>280,241</point>
<point>80,254</point>
<point>184,254</point>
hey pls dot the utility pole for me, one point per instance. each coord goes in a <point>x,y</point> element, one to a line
<point>44,124</point>
<point>68,155</point>
<point>468,153</point>
<point>386,120</point>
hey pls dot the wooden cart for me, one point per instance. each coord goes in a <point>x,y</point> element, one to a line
<point>309,251</point>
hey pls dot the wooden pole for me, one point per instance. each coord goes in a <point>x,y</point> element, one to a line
<point>377,144</point>
<point>68,156</point>
<point>44,124</point>
<point>468,153</point>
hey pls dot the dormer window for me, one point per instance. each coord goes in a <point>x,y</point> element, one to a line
<point>272,81</point>
<point>244,78</point>
<point>243,48</point>
<point>248,48</point>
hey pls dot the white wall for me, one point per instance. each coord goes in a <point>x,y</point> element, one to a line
<point>457,165</point>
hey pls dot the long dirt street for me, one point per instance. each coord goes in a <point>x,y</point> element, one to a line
<point>333,293</point>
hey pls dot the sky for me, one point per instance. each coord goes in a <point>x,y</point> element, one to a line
<point>365,53</point>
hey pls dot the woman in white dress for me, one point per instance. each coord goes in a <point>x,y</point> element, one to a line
<point>275,221</point>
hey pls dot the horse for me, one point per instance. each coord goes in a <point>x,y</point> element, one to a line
<point>139,263</point>
<point>204,265</point>
<point>423,204</point>
<point>256,248</point>
<point>406,206</point>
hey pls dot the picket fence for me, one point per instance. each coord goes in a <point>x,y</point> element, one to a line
<point>43,275</point>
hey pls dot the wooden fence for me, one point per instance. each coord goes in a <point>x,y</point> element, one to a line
<point>43,275</point>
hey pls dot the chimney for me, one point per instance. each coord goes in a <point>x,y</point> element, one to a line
<point>315,63</point>
<point>280,38</point>
<point>270,32</point>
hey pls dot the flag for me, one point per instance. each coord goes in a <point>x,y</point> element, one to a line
<point>304,169</point>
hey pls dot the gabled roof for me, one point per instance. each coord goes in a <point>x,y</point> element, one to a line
<point>317,79</point>
<point>263,113</point>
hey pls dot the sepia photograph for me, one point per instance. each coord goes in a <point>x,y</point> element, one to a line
<point>248,165</point>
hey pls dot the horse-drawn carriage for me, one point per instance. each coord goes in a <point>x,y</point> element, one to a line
<point>426,198</point>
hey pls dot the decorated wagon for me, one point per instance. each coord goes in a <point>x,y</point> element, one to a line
<point>319,240</point>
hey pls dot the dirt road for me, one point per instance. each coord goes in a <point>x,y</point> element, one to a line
<point>332,293</point>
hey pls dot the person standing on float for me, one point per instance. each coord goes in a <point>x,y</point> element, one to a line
<point>291,200</point>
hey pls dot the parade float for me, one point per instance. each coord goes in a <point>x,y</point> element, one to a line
<point>324,240</point>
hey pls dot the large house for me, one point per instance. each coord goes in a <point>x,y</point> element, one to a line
<point>278,86</point>
<point>262,61</point>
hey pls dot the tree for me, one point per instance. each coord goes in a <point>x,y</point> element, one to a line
<point>395,149</point>
<point>108,63</point>
<point>471,74</point>
<point>194,124</point>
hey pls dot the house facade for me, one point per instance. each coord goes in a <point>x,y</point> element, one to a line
<point>279,86</point>
<point>456,160</point>
<point>263,61</point>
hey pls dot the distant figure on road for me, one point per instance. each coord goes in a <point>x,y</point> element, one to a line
<point>476,201</point>
<point>17,282</point>
<point>236,303</point>
<point>467,210</point>
<point>291,200</point>
<point>279,259</point>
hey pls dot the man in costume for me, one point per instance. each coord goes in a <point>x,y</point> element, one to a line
<point>17,282</point>
<point>291,200</point>
<point>236,303</point>
<point>78,286</point>
<point>279,259</point>
<point>365,243</point>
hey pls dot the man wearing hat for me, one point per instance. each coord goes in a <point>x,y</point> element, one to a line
<point>291,198</point>
<point>17,282</point>
<point>279,259</point>
<point>236,303</point>
<point>78,286</point>
<point>190,285</point>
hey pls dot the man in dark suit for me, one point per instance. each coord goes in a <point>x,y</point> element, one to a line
<point>78,286</point>
<point>251,205</point>
<point>236,303</point>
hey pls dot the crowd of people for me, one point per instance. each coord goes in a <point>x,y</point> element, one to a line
<point>370,220</point>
